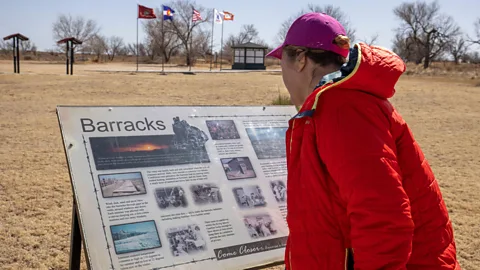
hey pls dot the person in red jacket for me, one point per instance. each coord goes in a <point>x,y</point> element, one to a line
<point>361,194</point>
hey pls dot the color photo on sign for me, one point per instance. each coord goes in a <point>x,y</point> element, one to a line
<point>133,237</point>
<point>145,151</point>
<point>222,130</point>
<point>121,184</point>
<point>268,142</point>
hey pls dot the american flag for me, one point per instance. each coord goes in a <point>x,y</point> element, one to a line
<point>196,16</point>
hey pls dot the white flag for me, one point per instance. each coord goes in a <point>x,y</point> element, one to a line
<point>218,17</point>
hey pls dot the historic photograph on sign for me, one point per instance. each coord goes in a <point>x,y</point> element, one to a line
<point>238,168</point>
<point>268,142</point>
<point>186,146</point>
<point>172,197</point>
<point>186,240</point>
<point>279,190</point>
<point>206,194</point>
<point>249,197</point>
<point>259,226</point>
<point>222,130</point>
<point>135,237</point>
<point>121,184</point>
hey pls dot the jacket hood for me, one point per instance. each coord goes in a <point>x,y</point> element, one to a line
<point>371,69</point>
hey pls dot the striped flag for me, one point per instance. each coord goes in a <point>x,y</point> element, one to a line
<point>196,16</point>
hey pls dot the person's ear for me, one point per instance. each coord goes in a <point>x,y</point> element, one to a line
<point>300,61</point>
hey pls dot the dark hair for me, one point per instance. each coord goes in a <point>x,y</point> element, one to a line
<point>321,57</point>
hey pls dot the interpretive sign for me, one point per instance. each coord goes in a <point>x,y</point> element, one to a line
<point>178,187</point>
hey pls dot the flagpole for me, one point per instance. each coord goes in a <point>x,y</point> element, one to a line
<point>138,12</point>
<point>191,41</point>
<point>211,47</point>
<point>221,49</point>
<point>163,41</point>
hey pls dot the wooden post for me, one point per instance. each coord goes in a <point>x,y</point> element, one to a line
<point>67,55</point>
<point>18,54</point>
<point>14,44</point>
<point>72,57</point>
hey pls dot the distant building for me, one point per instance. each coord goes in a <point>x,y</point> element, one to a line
<point>249,56</point>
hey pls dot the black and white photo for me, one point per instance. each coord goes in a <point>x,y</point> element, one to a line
<point>249,197</point>
<point>279,190</point>
<point>206,194</point>
<point>222,129</point>
<point>170,197</point>
<point>186,240</point>
<point>259,226</point>
<point>238,168</point>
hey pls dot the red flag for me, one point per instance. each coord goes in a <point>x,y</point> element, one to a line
<point>146,13</point>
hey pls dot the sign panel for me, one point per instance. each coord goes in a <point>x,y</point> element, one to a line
<point>179,187</point>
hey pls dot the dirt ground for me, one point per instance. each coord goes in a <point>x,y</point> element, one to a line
<point>35,192</point>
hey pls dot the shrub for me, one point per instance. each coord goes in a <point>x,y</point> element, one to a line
<point>282,100</point>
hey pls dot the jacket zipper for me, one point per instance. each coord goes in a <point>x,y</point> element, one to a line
<point>290,150</point>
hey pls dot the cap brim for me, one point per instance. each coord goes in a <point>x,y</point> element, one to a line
<point>277,53</point>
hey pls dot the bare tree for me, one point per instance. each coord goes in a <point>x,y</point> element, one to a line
<point>6,47</point>
<point>131,49</point>
<point>162,41</point>
<point>476,39</point>
<point>248,33</point>
<point>28,46</point>
<point>372,40</point>
<point>78,27</point>
<point>458,48</point>
<point>112,46</point>
<point>473,57</point>
<point>97,45</point>
<point>407,49</point>
<point>202,43</point>
<point>331,10</point>
<point>426,29</point>
<point>183,26</point>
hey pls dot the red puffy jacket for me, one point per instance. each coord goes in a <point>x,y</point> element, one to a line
<point>359,187</point>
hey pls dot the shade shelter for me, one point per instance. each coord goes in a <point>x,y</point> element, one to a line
<point>70,51</point>
<point>16,49</point>
<point>249,56</point>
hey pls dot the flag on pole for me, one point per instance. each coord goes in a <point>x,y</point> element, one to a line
<point>168,13</point>
<point>228,16</point>
<point>146,13</point>
<point>196,16</point>
<point>218,17</point>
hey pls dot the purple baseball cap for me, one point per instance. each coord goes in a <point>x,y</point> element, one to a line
<point>315,31</point>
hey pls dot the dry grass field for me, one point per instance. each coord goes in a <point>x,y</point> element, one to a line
<point>35,192</point>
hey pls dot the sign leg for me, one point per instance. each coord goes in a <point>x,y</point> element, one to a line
<point>75,241</point>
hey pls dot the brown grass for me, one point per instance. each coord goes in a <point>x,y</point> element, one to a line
<point>35,192</point>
